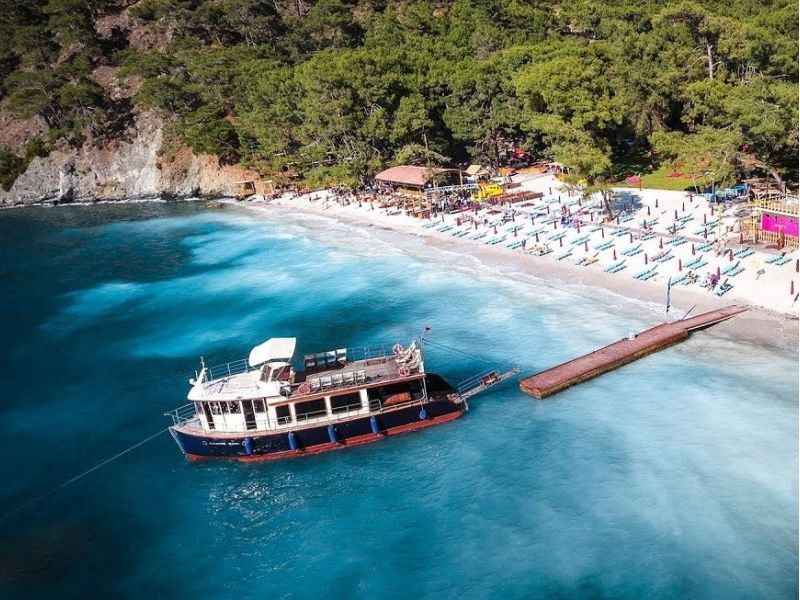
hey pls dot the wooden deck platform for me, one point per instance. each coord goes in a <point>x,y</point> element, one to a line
<point>620,353</point>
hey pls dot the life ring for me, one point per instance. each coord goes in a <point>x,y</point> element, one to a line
<point>404,371</point>
<point>304,389</point>
<point>398,349</point>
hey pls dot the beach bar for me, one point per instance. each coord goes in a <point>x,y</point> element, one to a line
<point>620,353</point>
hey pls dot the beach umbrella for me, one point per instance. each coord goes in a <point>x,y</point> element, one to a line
<point>683,206</point>
<point>661,243</point>
<point>648,211</point>
<point>676,214</point>
<point>741,237</point>
<point>586,246</point>
<point>630,238</point>
<point>692,249</point>
<point>680,265</point>
<point>797,266</point>
<point>645,258</point>
<point>555,225</point>
<point>656,202</point>
<point>537,238</point>
<point>705,219</point>
<point>615,255</point>
<point>718,272</point>
<point>705,233</point>
<point>730,256</point>
<point>495,229</point>
<point>603,233</point>
<point>560,242</point>
<point>578,225</point>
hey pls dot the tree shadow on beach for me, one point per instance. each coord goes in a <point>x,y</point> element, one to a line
<point>626,201</point>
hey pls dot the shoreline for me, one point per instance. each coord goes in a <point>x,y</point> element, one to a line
<point>759,325</point>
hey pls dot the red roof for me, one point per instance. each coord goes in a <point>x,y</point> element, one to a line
<point>407,175</point>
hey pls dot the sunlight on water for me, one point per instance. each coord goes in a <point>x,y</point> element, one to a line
<point>673,477</point>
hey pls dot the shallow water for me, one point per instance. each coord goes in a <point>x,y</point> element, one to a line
<point>673,477</point>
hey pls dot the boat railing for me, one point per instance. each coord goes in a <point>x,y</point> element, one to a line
<point>226,370</point>
<point>318,360</point>
<point>183,414</point>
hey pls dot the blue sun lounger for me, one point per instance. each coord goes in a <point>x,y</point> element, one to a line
<point>632,250</point>
<point>727,270</point>
<point>705,247</point>
<point>676,241</point>
<point>619,232</point>
<point>615,267</point>
<point>444,228</point>
<point>514,245</point>
<point>564,255</point>
<point>744,252</point>
<point>580,240</point>
<point>604,245</point>
<point>478,235</point>
<point>557,236</point>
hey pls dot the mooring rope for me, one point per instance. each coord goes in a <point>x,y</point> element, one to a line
<point>81,475</point>
<point>446,347</point>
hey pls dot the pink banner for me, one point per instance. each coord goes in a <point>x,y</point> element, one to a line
<point>778,223</point>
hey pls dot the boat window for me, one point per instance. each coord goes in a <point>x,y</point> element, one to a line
<point>345,402</point>
<point>283,414</point>
<point>312,408</point>
<point>215,408</point>
<point>234,408</point>
<point>258,405</point>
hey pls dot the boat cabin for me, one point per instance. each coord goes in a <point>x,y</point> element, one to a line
<point>265,393</point>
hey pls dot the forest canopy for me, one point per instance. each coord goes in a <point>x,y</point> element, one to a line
<point>331,91</point>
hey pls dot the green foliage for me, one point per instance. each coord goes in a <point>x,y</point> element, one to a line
<point>208,132</point>
<point>333,90</point>
<point>11,167</point>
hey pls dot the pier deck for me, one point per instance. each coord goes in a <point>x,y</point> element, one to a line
<point>620,353</point>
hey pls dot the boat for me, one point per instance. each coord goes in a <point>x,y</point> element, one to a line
<point>261,408</point>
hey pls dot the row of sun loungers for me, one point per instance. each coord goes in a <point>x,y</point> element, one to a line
<point>632,250</point>
<point>580,240</point>
<point>744,252</point>
<point>604,245</point>
<point>337,380</point>
<point>615,267</point>
<point>727,270</point>
<point>496,240</point>
<point>646,274</point>
<point>778,260</point>
<point>515,245</point>
<point>676,241</point>
<point>696,263</point>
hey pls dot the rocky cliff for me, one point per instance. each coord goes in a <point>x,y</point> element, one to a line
<point>129,167</point>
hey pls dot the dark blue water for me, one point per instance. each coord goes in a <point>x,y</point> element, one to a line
<point>674,477</point>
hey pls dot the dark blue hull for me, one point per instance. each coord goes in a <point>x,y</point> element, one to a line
<point>318,439</point>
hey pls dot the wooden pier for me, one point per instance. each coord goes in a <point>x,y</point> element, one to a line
<point>620,353</point>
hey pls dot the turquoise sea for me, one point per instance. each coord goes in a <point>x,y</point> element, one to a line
<point>675,477</point>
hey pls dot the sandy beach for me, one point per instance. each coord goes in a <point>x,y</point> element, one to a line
<point>593,258</point>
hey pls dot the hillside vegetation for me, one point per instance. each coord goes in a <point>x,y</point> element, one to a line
<point>331,91</point>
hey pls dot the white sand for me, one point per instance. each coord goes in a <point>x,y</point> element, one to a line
<point>775,322</point>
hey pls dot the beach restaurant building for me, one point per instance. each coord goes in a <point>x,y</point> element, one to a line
<point>413,180</point>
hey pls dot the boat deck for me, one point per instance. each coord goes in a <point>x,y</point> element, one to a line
<point>341,375</point>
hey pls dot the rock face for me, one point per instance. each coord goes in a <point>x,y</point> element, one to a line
<point>129,168</point>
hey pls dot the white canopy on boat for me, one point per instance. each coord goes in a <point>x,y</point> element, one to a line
<point>272,349</point>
